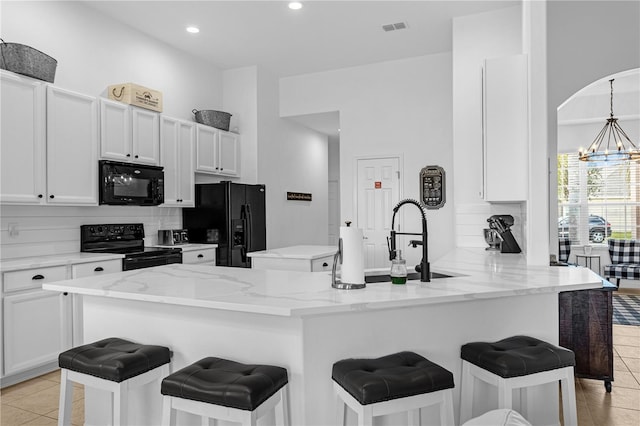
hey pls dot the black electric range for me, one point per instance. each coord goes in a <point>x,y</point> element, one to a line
<point>127,239</point>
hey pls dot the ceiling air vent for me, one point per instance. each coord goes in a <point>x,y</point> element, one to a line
<point>396,26</point>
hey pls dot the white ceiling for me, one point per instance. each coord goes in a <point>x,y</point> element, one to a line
<point>323,35</point>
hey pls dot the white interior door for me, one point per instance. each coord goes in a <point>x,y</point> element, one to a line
<point>378,187</point>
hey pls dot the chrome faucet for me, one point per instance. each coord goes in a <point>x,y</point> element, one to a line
<point>423,267</point>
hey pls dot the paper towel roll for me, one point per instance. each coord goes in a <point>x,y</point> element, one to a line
<point>352,255</point>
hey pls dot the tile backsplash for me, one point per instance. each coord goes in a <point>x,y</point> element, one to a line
<point>471,219</point>
<point>45,230</point>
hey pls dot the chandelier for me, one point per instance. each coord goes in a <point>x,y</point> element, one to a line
<point>612,143</point>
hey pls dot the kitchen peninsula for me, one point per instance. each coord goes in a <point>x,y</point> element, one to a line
<point>296,320</point>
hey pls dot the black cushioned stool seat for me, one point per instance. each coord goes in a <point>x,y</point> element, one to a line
<point>114,359</point>
<point>406,376</point>
<point>220,389</point>
<point>390,377</point>
<point>518,363</point>
<point>224,382</point>
<point>113,365</point>
<point>517,356</point>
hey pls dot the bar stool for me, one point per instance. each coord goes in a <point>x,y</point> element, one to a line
<point>399,382</point>
<point>217,388</point>
<point>517,362</point>
<point>113,365</point>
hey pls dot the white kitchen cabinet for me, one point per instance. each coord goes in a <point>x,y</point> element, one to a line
<point>72,148</point>
<point>295,258</point>
<point>49,144</point>
<point>228,154</point>
<point>505,129</point>
<point>128,133</point>
<point>36,323</point>
<point>205,256</point>
<point>22,139</point>
<point>94,269</point>
<point>216,151</point>
<point>177,156</point>
<point>37,328</point>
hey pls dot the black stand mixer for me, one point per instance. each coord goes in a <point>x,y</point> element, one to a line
<point>502,223</point>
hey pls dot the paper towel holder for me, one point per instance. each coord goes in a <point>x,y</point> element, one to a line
<point>336,283</point>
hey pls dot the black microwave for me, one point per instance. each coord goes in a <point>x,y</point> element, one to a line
<point>124,184</point>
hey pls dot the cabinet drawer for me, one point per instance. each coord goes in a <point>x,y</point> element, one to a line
<point>199,256</point>
<point>322,264</point>
<point>33,278</point>
<point>96,268</point>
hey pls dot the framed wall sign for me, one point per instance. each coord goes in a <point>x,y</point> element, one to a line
<point>298,196</point>
<point>432,187</point>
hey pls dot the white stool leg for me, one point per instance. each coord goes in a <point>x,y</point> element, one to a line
<point>569,398</point>
<point>446,409</point>
<point>168,413</point>
<point>414,417</point>
<point>66,397</point>
<point>365,416</point>
<point>505,394</point>
<point>340,414</point>
<point>466,395</point>
<point>282,415</point>
<point>120,405</point>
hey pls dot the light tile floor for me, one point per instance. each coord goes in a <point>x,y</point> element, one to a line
<point>35,402</point>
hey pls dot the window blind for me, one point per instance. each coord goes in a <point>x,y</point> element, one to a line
<point>597,201</point>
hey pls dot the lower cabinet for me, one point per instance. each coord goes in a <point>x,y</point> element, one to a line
<point>204,256</point>
<point>38,324</point>
<point>37,327</point>
<point>292,264</point>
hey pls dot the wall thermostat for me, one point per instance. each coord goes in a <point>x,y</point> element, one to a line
<point>432,187</point>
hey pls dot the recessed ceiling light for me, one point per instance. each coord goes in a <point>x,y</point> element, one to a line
<point>295,5</point>
<point>193,30</point>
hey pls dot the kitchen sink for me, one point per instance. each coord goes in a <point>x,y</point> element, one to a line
<point>381,278</point>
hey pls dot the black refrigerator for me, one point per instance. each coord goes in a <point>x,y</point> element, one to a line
<point>231,213</point>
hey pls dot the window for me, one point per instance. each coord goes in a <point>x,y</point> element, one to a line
<point>597,202</point>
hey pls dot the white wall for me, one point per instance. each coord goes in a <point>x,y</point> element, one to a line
<point>476,38</point>
<point>93,52</point>
<point>291,158</point>
<point>586,41</point>
<point>241,100</point>
<point>398,108</point>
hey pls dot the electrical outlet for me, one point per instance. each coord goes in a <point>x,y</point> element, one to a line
<point>13,230</point>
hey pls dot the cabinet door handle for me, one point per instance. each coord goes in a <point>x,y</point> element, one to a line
<point>99,269</point>
<point>136,155</point>
<point>200,256</point>
<point>38,277</point>
<point>325,264</point>
<point>128,155</point>
<point>65,293</point>
<point>52,196</point>
<point>39,195</point>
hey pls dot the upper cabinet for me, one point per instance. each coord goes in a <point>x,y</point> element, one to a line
<point>505,129</point>
<point>23,139</point>
<point>49,144</point>
<point>177,152</point>
<point>216,151</point>
<point>72,148</point>
<point>128,133</point>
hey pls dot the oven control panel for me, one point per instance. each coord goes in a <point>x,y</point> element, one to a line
<point>110,232</point>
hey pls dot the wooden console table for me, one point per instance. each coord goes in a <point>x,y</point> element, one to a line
<point>586,327</point>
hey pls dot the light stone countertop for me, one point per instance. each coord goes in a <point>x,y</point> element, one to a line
<point>309,252</point>
<point>21,263</point>
<point>478,275</point>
